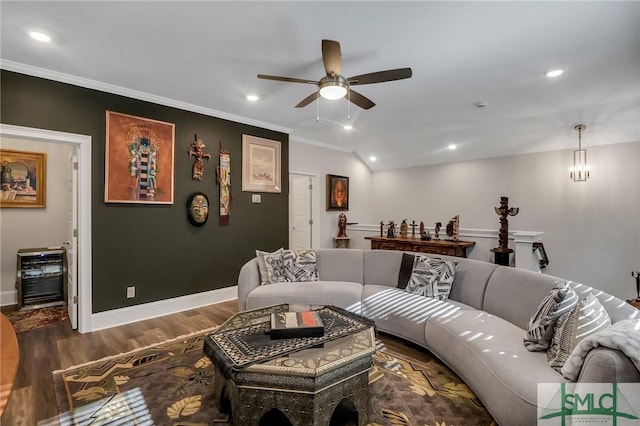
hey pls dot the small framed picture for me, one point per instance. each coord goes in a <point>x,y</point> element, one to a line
<point>23,179</point>
<point>337,192</point>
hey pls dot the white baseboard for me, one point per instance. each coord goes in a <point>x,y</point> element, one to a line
<point>136,313</point>
<point>9,298</point>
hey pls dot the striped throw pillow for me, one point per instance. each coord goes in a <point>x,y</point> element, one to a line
<point>588,317</point>
<point>559,301</point>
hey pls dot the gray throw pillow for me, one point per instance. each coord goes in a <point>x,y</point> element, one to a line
<point>431,277</point>
<point>300,265</point>
<point>560,300</point>
<point>271,266</point>
<point>588,317</point>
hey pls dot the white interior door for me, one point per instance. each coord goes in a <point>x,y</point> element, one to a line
<point>72,243</point>
<point>300,208</point>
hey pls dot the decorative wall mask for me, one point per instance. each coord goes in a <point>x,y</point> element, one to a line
<point>198,208</point>
<point>197,150</point>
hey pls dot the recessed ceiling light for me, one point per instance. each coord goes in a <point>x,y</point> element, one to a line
<point>372,158</point>
<point>554,73</point>
<point>252,98</point>
<point>348,127</point>
<point>452,146</point>
<point>40,36</point>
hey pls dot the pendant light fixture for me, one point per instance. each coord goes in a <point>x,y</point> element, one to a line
<point>580,170</point>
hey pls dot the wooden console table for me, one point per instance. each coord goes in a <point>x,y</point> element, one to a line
<point>449,248</point>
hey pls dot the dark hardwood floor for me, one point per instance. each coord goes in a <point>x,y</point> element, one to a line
<point>59,347</point>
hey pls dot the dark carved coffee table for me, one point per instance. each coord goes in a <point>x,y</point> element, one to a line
<point>309,381</point>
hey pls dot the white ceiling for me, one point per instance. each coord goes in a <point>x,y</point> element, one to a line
<point>207,54</point>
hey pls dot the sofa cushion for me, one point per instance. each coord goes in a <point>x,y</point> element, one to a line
<point>514,294</point>
<point>340,265</point>
<point>300,265</point>
<point>381,267</point>
<point>588,317</point>
<point>558,302</point>
<point>617,309</point>
<point>403,314</point>
<point>271,266</point>
<point>336,293</point>
<point>431,277</point>
<point>471,281</point>
<point>488,353</point>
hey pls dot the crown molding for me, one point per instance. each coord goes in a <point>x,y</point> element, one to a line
<point>298,139</point>
<point>135,94</point>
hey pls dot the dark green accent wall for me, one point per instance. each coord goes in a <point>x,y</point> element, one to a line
<point>155,247</point>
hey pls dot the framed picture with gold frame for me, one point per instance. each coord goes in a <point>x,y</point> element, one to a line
<point>138,160</point>
<point>24,179</point>
<point>260,165</point>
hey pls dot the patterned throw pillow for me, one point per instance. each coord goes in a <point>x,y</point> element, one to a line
<point>431,277</point>
<point>300,266</point>
<point>271,266</point>
<point>560,300</point>
<point>588,317</point>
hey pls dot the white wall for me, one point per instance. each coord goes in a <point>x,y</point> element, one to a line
<point>591,229</point>
<point>322,161</point>
<point>30,228</point>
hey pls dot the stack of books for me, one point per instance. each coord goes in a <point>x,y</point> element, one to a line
<point>288,325</point>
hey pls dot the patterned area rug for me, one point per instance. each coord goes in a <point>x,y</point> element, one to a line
<point>33,319</point>
<point>172,384</point>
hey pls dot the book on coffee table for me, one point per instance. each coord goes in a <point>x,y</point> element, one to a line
<point>287,325</point>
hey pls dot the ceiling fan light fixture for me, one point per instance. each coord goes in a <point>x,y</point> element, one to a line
<point>333,88</point>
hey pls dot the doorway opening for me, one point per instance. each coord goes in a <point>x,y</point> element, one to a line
<point>79,244</point>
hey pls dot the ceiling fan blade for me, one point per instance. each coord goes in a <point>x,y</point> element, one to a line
<point>331,57</point>
<point>306,101</point>
<point>360,100</point>
<point>381,76</point>
<point>286,79</point>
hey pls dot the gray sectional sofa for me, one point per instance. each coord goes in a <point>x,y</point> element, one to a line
<point>478,332</point>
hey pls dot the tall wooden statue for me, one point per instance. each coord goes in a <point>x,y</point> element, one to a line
<point>502,252</point>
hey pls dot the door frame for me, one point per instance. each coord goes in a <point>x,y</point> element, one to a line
<point>315,204</point>
<point>83,213</point>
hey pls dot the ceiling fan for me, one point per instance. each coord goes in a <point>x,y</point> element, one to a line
<point>334,85</point>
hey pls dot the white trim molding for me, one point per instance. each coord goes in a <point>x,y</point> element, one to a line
<point>122,316</point>
<point>8,298</point>
<point>135,94</point>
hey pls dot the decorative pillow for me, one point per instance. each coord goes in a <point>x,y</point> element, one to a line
<point>271,266</point>
<point>431,277</point>
<point>588,317</point>
<point>406,269</point>
<point>560,300</point>
<point>300,265</point>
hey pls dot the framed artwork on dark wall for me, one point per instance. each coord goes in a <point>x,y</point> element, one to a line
<point>337,192</point>
<point>138,160</point>
<point>260,164</point>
